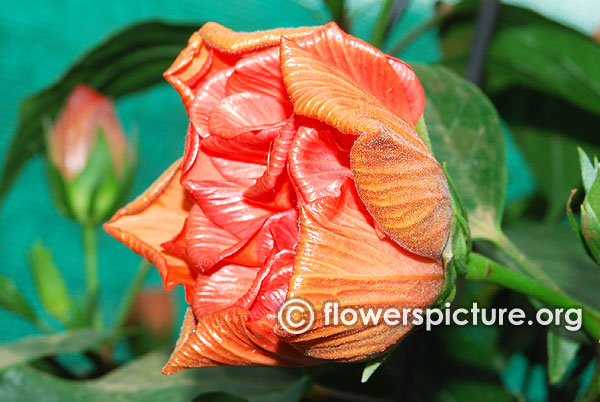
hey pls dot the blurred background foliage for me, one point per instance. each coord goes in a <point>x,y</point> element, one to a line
<point>548,104</point>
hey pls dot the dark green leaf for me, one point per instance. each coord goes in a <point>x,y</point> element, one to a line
<point>520,54</point>
<point>50,284</point>
<point>142,380</point>
<point>573,220</point>
<point>561,352</point>
<point>12,299</point>
<point>555,248</point>
<point>36,347</point>
<point>465,133</point>
<point>131,60</point>
<point>554,161</point>
<point>219,397</point>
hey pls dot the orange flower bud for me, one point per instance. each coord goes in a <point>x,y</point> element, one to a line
<point>303,178</point>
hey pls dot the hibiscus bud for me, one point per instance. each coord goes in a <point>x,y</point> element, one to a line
<point>588,230</point>
<point>89,161</point>
<point>303,178</point>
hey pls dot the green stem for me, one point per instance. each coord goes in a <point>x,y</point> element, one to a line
<point>525,264</point>
<point>381,23</point>
<point>482,269</point>
<point>444,11</point>
<point>90,250</point>
<point>130,296</point>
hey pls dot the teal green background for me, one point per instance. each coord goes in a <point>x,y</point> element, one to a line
<point>41,39</point>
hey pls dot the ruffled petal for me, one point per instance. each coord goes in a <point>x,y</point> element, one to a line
<point>152,219</point>
<point>259,73</point>
<point>356,61</point>
<point>244,112</point>
<point>402,185</point>
<point>208,95</point>
<point>415,94</point>
<point>224,204</point>
<point>277,164</point>
<point>280,232</point>
<point>229,41</point>
<point>196,164</point>
<point>339,256</point>
<point>251,147</point>
<point>317,166</point>
<point>221,289</point>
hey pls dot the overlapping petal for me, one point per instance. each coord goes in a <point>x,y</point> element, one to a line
<point>339,256</point>
<point>398,179</point>
<point>154,218</point>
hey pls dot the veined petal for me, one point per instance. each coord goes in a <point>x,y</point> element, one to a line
<point>224,204</point>
<point>259,73</point>
<point>398,179</point>
<point>229,41</point>
<point>246,111</point>
<point>356,61</point>
<point>220,338</point>
<point>250,147</point>
<point>150,220</point>
<point>221,289</point>
<point>339,256</point>
<point>196,164</point>
<point>208,95</point>
<point>277,164</point>
<point>196,61</point>
<point>316,165</point>
<point>280,232</point>
<point>415,94</point>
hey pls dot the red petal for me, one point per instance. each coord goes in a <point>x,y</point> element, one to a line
<point>207,97</point>
<point>207,243</point>
<point>224,204</point>
<point>152,219</point>
<point>196,164</point>
<point>259,73</point>
<point>280,232</point>
<point>221,289</point>
<point>274,287</point>
<point>277,163</point>
<point>249,147</point>
<point>415,95</point>
<point>244,112</point>
<point>316,165</point>
<point>237,171</point>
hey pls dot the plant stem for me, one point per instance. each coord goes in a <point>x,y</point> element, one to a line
<point>444,11</point>
<point>90,250</point>
<point>486,22</point>
<point>482,269</point>
<point>131,294</point>
<point>524,263</point>
<point>381,23</point>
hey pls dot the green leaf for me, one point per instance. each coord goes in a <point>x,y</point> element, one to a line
<point>219,397</point>
<point>561,353</point>
<point>555,249</point>
<point>50,284</point>
<point>466,134</point>
<point>129,61</point>
<point>520,54</point>
<point>554,161</point>
<point>141,380</point>
<point>12,299</point>
<point>32,348</point>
